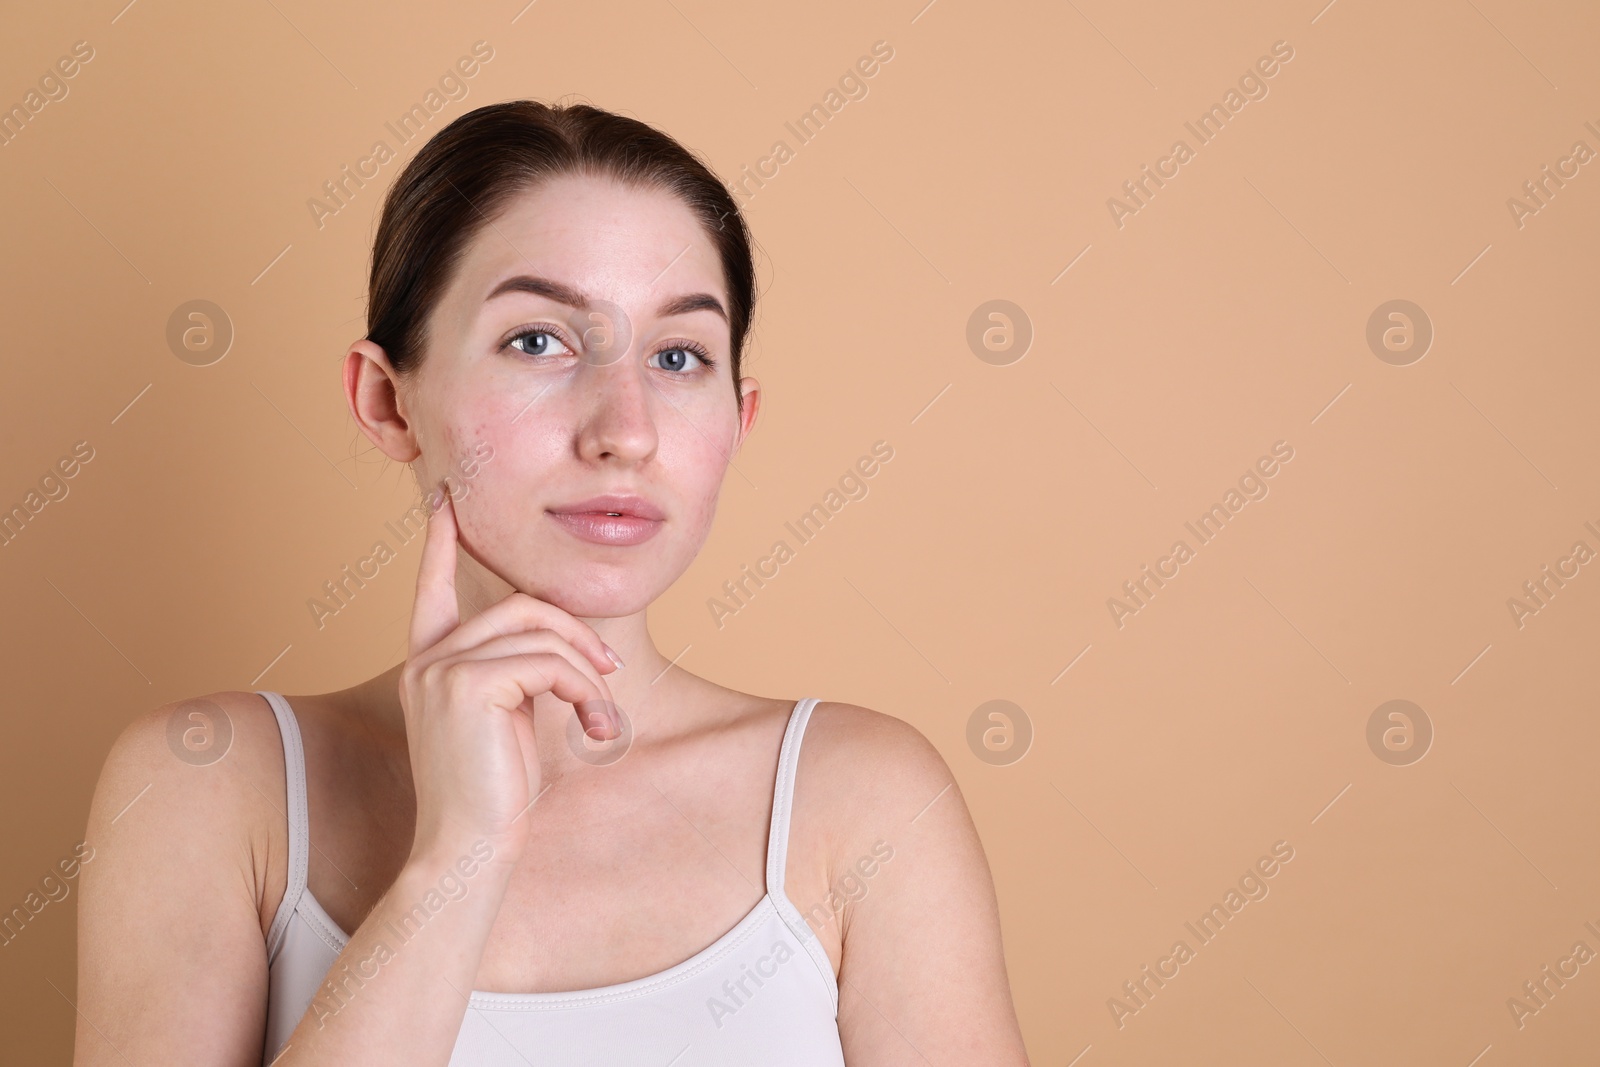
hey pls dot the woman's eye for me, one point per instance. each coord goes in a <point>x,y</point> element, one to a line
<point>676,359</point>
<point>539,343</point>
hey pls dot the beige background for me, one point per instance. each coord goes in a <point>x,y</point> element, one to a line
<point>1229,313</point>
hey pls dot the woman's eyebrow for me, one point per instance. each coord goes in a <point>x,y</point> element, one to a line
<point>682,305</point>
<point>528,283</point>
<point>572,297</point>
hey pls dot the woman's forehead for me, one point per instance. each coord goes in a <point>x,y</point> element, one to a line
<point>615,242</point>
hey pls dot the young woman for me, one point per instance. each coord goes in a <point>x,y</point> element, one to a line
<point>448,863</point>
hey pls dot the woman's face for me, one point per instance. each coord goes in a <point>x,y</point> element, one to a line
<point>583,347</point>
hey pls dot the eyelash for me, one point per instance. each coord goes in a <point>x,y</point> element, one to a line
<point>692,347</point>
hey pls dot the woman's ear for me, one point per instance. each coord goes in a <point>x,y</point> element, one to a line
<point>372,389</point>
<point>749,405</point>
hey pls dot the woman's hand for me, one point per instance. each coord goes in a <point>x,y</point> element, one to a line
<point>467,691</point>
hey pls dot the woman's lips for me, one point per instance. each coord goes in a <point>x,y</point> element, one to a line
<point>603,529</point>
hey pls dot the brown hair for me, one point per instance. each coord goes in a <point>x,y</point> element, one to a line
<point>470,170</point>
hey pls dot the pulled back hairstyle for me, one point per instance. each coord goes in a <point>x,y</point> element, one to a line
<point>467,173</point>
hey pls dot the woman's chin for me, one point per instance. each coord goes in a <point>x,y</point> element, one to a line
<point>590,603</point>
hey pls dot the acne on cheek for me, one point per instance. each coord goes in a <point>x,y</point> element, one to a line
<point>704,500</point>
<point>491,529</point>
<point>702,466</point>
<point>465,455</point>
<point>698,522</point>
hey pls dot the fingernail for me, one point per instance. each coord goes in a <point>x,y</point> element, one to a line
<point>613,654</point>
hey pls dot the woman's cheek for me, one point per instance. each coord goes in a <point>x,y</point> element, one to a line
<point>497,506</point>
<point>704,508</point>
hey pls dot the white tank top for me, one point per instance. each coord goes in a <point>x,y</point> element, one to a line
<point>762,993</point>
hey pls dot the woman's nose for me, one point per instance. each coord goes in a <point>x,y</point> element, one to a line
<point>621,412</point>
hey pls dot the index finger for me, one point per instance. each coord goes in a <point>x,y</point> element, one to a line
<point>434,612</point>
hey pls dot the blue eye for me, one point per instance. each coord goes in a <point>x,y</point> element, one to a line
<point>674,358</point>
<point>539,343</point>
<point>677,358</point>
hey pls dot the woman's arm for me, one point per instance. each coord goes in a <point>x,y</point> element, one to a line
<point>172,965</point>
<point>922,978</point>
<point>171,959</point>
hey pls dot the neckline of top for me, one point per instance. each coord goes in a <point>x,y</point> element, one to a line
<point>771,902</point>
<point>681,971</point>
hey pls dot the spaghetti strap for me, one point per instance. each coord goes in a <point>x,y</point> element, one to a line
<point>778,842</point>
<point>294,760</point>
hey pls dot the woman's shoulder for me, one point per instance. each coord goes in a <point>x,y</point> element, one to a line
<point>199,780</point>
<point>850,737</point>
<point>201,744</point>
<point>906,867</point>
<point>891,822</point>
<point>859,759</point>
<point>215,758</point>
